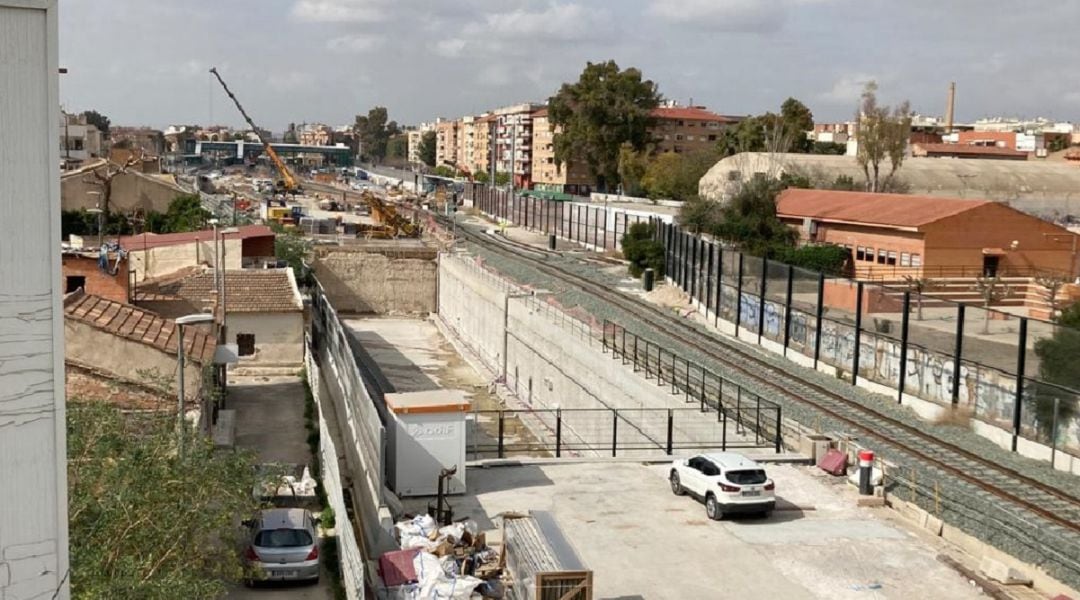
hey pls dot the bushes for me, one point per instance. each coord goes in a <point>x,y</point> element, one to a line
<point>827,258</point>
<point>642,251</point>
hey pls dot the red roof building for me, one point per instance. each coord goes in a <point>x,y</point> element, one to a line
<point>892,235</point>
<point>930,150</point>
<point>687,128</point>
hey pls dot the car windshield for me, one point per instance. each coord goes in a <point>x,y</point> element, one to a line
<point>747,477</point>
<point>282,538</point>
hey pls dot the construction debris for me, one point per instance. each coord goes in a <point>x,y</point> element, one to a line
<point>453,561</point>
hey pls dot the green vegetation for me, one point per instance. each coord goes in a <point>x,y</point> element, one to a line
<point>675,176</point>
<point>428,145</point>
<point>882,136</point>
<point>143,522</point>
<point>1058,365</point>
<point>771,132</point>
<point>604,109</point>
<point>643,252</point>
<point>375,131</point>
<point>98,120</point>
<point>291,246</point>
<point>185,213</point>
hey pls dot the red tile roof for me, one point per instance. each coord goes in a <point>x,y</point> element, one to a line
<point>888,210</point>
<point>138,325</point>
<point>247,290</point>
<point>543,112</point>
<point>970,150</point>
<point>689,113</point>
<point>156,240</point>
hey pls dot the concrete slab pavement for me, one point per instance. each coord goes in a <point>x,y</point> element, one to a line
<point>270,421</point>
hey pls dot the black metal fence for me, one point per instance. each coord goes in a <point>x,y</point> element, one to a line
<point>990,363</point>
<point>599,227</point>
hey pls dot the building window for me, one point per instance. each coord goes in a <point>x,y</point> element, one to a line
<point>681,123</point>
<point>712,138</point>
<point>73,283</point>
<point>678,137</point>
<point>916,260</point>
<point>689,138</point>
<point>881,256</point>
<point>905,259</point>
<point>892,258</point>
<point>245,344</point>
<point>860,253</point>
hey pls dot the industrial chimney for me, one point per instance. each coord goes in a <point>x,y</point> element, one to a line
<point>950,107</point>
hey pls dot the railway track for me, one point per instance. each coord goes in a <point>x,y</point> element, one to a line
<point>1059,509</point>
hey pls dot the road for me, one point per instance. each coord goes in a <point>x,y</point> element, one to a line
<point>270,421</point>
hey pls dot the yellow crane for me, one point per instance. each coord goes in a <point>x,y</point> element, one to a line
<point>288,183</point>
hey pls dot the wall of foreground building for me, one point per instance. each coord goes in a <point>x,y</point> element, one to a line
<point>372,281</point>
<point>33,517</point>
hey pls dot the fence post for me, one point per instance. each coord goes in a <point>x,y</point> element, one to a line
<point>719,284</point>
<point>778,425</point>
<point>720,398</point>
<point>1018,399</point>
<point>622,346</point>
<point>723,429</point>
<point>587,211</point>
<point>761,303</point>
<point>738,297</point>
<point>670,429</point>
<point>502,425</point>
<point>702,394</point>
<point>904,322</point>
<point>957,352</point>
<point>695,250</point>
<point>674,385</point>
<point>817,321</point>
<point>687,397</point>
<point>558,433</point>
<point>858,333</point>
<point>708,280</point>
<point>757,421</point>
<point>614,431</point>
<point>604,246</point>
<point>787,307</point>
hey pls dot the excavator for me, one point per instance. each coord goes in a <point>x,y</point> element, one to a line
<point>389,224</point>
<point>288,183</point>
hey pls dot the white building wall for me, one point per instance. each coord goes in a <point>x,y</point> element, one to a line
<point>33,499</point>
<point>279,337</point>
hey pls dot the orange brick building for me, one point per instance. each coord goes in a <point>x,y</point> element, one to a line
<point>687,128</point>
<point>81,270</point>
<point>892,235</point>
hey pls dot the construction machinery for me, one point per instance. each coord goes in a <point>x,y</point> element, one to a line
<point>388,223</point>
<point>287,183</point>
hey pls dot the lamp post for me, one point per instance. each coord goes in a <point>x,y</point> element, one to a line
<point>97,210</point>
<point>193,319</point>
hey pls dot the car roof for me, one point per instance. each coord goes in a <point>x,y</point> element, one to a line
<point>731,460</point>
<point>283,518</point>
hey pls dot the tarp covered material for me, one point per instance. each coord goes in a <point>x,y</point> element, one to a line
<point>396,568</point>
<point>834,462</point>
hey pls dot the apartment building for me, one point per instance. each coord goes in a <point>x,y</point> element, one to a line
<point>483,134</point>
<point>570,178</point>
<point>687,128</point>
<point>314,134</point>
<point>414,139</point>
<point>79,141</point>
<point>513,141</point>
<point>446,142</point>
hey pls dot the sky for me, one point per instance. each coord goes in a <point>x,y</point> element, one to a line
<point>146,62</point>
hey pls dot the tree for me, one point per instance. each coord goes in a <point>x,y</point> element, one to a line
<point>832,148</point>
<point>185,213</point>
<point>502,178</point>
<point>642,251</point>
<point>375,131</point>
<point>145,523</point>
<point>98,120</point>
<point>699,215</point>
<point>796,121</point>
<point>397,148</point>
<point>596,115</point>
<point>482,177</point>
<point>1051,285</point>
<point>444,171</point>
<point>292,247</point>
<point>991,289</point>
<point>632,167</point>
<point>675,176</point>
<point>919,286</point>
<point>290,135</point>
<point>882,136</point>
<point>103,178</point>
<point>828,258</point>
<point>1058,365</point>
<point>428,144</point>
<point>749,220</point>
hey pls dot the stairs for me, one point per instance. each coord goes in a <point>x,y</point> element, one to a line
<point>1022,292</point>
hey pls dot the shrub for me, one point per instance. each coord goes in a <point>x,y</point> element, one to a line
<point>642,251</point>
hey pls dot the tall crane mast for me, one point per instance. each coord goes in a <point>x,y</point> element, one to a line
<point>288,182</point>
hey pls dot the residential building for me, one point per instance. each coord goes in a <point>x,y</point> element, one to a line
<point>836,133</point>
<point>263,309</point>
<point>153,256</point>
<point>473,146</point>
<point>132,344</point>
<point>484,133</point>
<point>446,142</point>
<point>147,141</point>
<point>79,141</point>
<point>570,178</point>
<point>687,128</point>
<point>892,235</point>
<point>33,460</point>
<point>314,134</point>
<point>513,142</point>
<point>130,190</point>
<point>415,139</point>
<point>84,270</point>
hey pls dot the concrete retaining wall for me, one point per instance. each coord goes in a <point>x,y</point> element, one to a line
<point>360,281</point>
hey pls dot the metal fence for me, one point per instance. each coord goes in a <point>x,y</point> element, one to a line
<point>1004,367</point>
<point>598,227</point>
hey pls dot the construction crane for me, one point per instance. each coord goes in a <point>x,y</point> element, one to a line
<point>287,183</point>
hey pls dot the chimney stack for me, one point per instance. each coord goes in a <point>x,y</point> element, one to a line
<point>950,107</point>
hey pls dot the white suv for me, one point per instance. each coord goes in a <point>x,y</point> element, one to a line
<point>727,482</point>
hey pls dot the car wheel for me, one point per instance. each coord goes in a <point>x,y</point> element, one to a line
<point>712,508</point>
<point>676,485</point>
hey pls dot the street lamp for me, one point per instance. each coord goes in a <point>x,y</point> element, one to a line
<point>100,215</point>
<point>192,319</point>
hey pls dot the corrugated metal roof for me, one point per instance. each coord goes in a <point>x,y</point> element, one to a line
<point>890,210</point>
<point>138,325</point>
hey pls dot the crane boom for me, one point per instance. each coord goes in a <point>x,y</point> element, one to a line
<point>289,182</point>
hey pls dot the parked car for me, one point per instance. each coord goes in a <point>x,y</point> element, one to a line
<point>284,546</point>
<point>728,483</point>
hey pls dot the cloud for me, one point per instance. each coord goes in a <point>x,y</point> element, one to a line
<point>290,81</point>
<point>557,22</point>
<point>356,43</point>
<point>450,48</point>
<point>340,11</point>
<point>758,16</point>
<point>848,88</point>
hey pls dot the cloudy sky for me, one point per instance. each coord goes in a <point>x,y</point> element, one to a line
<point>146,61</point>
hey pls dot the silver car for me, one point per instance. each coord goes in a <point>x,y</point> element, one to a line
<point>284,546</point>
